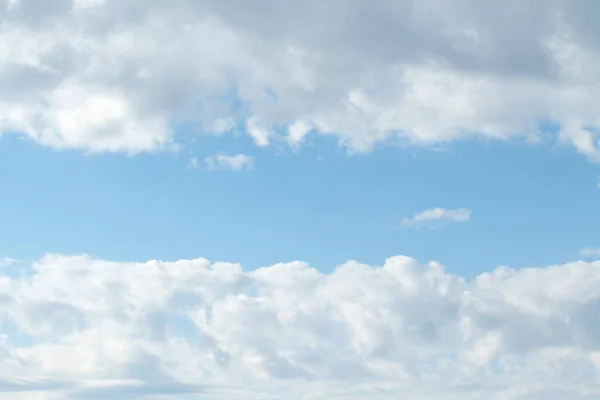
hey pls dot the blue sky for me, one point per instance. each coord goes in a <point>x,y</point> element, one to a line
<point>531,205</point>
<point>268,200</point>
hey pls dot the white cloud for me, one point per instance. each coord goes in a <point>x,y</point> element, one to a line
<point>78,327</point>
<point>101,76</point>
<point>238,162</point>
<point>590,252</point>
<point>438,215</point>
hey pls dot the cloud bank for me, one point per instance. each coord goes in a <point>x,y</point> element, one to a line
<point>79,327</point>
<point>115,76</point>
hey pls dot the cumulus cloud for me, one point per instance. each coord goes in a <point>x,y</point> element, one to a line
<point>438,215</point>
<point>79,327</point>
<point>236,162</point>
<point>108,75</point>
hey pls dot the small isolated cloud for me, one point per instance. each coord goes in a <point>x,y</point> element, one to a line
<point>193,163</point>
<point>590,252</point>
<point>438,215</point>
<point>238,162</point>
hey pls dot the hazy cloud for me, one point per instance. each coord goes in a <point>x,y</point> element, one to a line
<point>438,215</point>
<point>236,162</point>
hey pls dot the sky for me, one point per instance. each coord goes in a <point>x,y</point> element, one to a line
<point>299,200</point>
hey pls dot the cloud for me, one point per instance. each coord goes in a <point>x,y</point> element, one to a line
<point>79,327</point>
<point>438,215</point>
<point>7,261</point>
<point>238,162</point>
<point>193,163</point>
<point>100,76</point>
<point>590,252</point>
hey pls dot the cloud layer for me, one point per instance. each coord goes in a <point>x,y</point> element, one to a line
<point>78,327</point>
<point>108,75</point>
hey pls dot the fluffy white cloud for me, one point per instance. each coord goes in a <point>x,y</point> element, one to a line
<point>108,75</point>
<point>77,327</point>
<point>236,162</point>
<point>438,215</point>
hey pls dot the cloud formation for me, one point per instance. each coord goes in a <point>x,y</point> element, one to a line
<point>236,162</point>
<point>108,75</point>
<point>438,215</point>
<point>78,327</point>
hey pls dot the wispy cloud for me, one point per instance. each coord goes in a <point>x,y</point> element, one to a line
<point>590,252</point>
<point>193,163</point>
<point>238,162</point>
<point>7,261</point>
<point>438,215</point>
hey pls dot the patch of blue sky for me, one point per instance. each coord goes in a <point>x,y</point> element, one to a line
<point>181,326</point>
<point>14,336</point>
<point>531,206</point>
